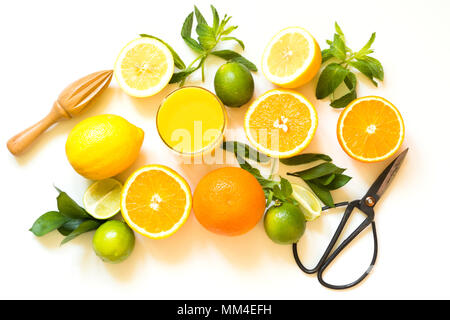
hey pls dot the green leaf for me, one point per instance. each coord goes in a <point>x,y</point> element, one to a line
<point>305,158</point>
<point>182,75</point>
<point>216,19</point>
<point>69,208</point>
<point>375,67</point>
<point>48,222</point>
<point>244,151</point>
<point>350,81</point>
<point>277,193</point>
<point>330,78</point>
<point>364,68</point>
<point>323,194</point>
<point>229,30</point>
<point>286,187</point>
<point>206,36</point>
<point>325,180</point>
<point>337,48</point>
<point>365,50</point>
<point>240,42</point>
<point>344,101</point>
<point>84,227</point>
<point>269,196</point>
<point>326,55</point>
<point>339,31</point>
<point>176,58</point>
<point>69,226</point>
<point>199,16</point>
<point>339,181</point>
<point>250,65</point>
<point>318,171</point>
<point>186,31</point>
<point>231,55</point>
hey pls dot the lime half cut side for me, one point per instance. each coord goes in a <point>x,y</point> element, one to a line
<point>102,198</point>
<point>308,202</point>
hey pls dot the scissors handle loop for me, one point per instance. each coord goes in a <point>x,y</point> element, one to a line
<point>329,256</point>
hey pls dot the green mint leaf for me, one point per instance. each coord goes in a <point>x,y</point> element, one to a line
<point>338,48</point>
<point>69,226</point>
<point>339,31</point>
<point>84,227</point>
<point>365,50</point>
<point>344,101</point>
<point>305,158</point>
<point>69,208</point>
<point>326,55</point>
<point>240,42</point>
<point>182,75</point>
<point>223,23</point>
<point>48,222</point>
<point>364,68</point>
<point>325,180</point>
<point>216,19</point>
<point>286,187</point>
<point>323,194</point>
<point>318,171</point>
<point>231,55</point>
<point>375,67</point>
<point>229,30</point>
<point>244,151</point>
<point>278,194</point>
<point>176,58</point>
<point>330,78</point>
<point>339,181</point>
<point>199,16</point>
<point>350,81</point>
<point>206,36</point>
<point>186,31</point>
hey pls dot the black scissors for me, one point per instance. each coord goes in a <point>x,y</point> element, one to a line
<point>366,205</point>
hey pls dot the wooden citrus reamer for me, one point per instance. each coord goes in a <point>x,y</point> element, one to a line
<point>71,102</point>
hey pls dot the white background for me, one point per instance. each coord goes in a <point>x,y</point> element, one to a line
<point>48,44</point>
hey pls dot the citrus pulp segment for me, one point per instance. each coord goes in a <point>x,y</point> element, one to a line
<point>156,201</point>
<point>370,129</point>
<point>292,58</point>
<point>144,67</point>
<point>281,123</point>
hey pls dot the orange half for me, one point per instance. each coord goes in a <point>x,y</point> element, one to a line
<point>370,129</point>
<point>156,201</point>
<point>281,123</point>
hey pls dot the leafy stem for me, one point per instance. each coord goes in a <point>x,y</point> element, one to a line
<point>208,38</point>
<point>340,70</point>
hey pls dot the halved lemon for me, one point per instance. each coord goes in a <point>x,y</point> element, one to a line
<point>156,201</point>
<point>102,199</point>
<point>370,129</point>
<point>281,123</point>
<point>144,67</point>
<point>292,58</point>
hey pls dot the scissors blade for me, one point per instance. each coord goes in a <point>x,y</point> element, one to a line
<point>385,178</point>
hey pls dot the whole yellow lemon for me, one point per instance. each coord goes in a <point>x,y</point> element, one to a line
<point>102,146</point>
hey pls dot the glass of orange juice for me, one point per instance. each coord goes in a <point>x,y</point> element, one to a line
<point>191,121</point>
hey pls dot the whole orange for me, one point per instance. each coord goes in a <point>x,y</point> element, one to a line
<point>229,201</point>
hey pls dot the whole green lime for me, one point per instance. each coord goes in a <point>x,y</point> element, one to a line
<point>285,224</point>
<point>113,241</point>
<point>234,84</point>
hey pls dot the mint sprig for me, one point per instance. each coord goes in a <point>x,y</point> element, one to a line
<point>343,61</point>
<point>208,37</point>
<point>274,191</point>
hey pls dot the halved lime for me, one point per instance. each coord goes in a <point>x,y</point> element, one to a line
<point>308,202</point>
<point>102,198</point>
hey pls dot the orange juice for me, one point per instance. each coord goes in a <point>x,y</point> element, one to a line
<point>191,120</point>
